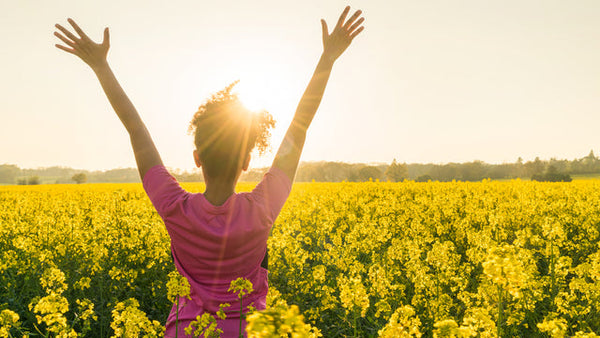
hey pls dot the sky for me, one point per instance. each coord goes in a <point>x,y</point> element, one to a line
<point>425,82</point>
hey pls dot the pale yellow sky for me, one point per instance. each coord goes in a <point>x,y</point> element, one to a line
<point>427,81</point>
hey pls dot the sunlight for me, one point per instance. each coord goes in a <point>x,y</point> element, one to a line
<point>254,95</point>
<point>263,93</point>
<point>264,86</point>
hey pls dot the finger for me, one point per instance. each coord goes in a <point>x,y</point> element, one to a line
<point>77,29</point>
<point>352,18</point>
<point>353,35</point>
<point>65,40</point>
<point>343,16</point>
<point>68,50</point>
<point>356,24</point>
<point>325,29</point>
<point>66,32</point>
<point>105,40</point>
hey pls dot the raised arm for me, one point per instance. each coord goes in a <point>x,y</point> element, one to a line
<point>334,45</point>
<point>94,55</point>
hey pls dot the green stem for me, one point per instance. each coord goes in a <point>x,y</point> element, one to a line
<point>500,311</point>
<point>355,329</point>
<point>437,288</point>
<point>40,332</point>
<point>103,304</point>
<point>241,307</point>
<point>552,271</point>
<point>177,319</point>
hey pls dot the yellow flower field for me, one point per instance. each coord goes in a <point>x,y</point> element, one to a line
<point>371,259</point>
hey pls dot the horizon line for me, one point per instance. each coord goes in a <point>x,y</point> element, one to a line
<point>311,161</point>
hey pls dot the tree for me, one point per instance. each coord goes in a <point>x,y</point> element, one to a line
<point>519,168</point>
<point>8,173</point>
<point>423,178</point>
<point>590,162</point>
<point>501,171</point>
<point>33,180</point>
<point>535,167</point>
<point>445,173</point>
<point>472,171</point>
<point>591,157</point>
<point>79,178</point>
<point>369,172</point>
<point>396,172</point>
<point>552,175</point>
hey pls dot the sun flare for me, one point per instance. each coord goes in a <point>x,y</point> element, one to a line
<point>253,95</point>
<point>259,90</point>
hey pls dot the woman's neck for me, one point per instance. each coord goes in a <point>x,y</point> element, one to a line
<point>217,192</point>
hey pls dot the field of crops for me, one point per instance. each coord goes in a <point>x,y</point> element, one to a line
<point>486,259</point>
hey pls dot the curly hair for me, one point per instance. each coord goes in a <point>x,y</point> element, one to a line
<point>225,132</point>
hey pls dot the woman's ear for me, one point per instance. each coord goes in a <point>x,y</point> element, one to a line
<point>197,159</point>
<point>246,163</point>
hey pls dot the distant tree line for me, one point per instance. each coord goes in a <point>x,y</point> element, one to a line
<point>12,174</point>
<point>539,170</point>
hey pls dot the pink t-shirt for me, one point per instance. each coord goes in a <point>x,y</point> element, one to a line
<point>213,245</point>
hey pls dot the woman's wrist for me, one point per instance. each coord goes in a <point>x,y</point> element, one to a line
<point>327,60</point>
<point>100,66</point>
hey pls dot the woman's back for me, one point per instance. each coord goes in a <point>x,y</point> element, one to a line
<point>213,245</point>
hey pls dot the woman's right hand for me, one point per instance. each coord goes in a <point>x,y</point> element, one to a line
<point>335,44</point>
<point>94,54</point>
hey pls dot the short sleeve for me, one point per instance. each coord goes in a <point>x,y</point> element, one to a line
<point>273,191</point>
<point>162,189</point>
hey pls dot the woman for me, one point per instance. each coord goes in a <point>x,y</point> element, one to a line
<point>218,236</point>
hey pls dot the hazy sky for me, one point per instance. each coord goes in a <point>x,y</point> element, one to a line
<point>427,81</point>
